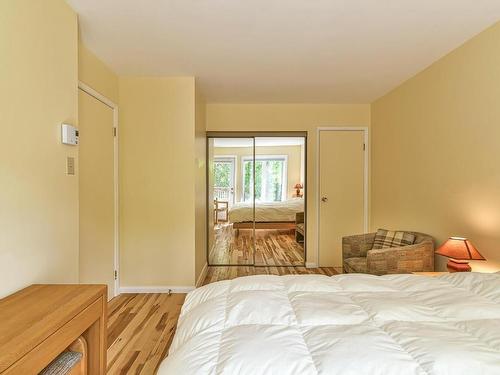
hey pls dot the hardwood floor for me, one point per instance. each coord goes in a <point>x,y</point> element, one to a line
<point>141,326</point>
<point>273,247</point>
<point>140,330</point>
<point>218,273</point>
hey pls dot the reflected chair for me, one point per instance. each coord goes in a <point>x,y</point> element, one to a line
<point>221,207</point>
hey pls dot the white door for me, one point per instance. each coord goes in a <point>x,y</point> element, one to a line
<point>224,169</point>
<point>96,192</point>
<point>341,191</point>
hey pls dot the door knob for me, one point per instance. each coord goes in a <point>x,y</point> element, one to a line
<point>324,199</point>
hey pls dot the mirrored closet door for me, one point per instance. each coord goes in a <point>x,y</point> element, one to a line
<point>230,201</point>
<point>279,201</point>
<point>256,200</point>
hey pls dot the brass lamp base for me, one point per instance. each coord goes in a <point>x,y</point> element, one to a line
<point>458,266</point>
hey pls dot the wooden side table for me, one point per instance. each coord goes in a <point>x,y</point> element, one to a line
<point>40,322</point>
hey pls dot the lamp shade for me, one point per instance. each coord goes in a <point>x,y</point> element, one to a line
<point>459,248</point>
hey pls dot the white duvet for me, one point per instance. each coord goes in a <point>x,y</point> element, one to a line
<point>347,324</point>
<point>266,211</point>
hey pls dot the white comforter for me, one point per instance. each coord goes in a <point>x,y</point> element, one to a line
<point>266,211</point>
<point>348,324</point>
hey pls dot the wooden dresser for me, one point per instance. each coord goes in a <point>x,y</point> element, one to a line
<point>40,322</point>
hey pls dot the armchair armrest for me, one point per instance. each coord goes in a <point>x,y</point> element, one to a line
<point>357,245</point>
<point>406,259</point>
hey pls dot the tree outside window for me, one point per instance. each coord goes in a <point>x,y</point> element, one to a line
<point>269,179</point>
<point>222,174</point>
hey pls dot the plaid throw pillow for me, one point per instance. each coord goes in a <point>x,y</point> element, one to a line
<point>388,238</point>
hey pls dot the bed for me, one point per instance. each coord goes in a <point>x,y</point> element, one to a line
<point>347,324</point>
<point>268,215</point>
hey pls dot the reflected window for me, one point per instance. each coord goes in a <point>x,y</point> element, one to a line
<point>270,178</point>
<point>224,179</point>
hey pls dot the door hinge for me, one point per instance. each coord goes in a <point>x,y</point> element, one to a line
<point>114,132</point>
<point>116,274</point>
<point>364,147</point>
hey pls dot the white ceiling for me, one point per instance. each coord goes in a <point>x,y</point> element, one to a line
<point>339,51</point>
<point>259,141</point>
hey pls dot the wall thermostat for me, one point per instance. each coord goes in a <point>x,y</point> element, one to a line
<point>69,134</point>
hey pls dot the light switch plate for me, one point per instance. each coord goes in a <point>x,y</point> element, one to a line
<point>70,165</point>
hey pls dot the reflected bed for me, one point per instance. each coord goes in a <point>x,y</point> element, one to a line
<point>268,215</point>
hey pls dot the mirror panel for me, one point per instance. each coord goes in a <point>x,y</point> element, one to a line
<point>256,199</point>
<point>279,203</point>
<point>230,201</point>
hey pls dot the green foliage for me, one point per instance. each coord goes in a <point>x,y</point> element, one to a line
<point>247,180</point>
<point>268,180</point>
<point>222,172</point>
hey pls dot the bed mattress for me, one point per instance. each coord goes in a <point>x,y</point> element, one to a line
<point>266,211</point>
<point>346,324</point>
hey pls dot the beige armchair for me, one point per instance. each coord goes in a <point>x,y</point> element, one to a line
<point>359,257</point>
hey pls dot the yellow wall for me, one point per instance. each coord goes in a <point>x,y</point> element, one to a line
<point>157,186</point>
<point>436,150</point>
<point>94,73</point>
<point>38,201</point>
<point>200,186</point>
<point>291,117</point>
<point>153,251</point>
<point>293,154</point>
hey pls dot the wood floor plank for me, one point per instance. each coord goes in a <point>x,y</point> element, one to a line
<point>141,334</point>
<point>273,247</point>
<point>218,273</point>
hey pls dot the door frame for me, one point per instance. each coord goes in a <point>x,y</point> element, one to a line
<point>116,248</point>
<point>365,131</point>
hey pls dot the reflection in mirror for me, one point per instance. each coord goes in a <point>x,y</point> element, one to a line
<point>256,189</point>
<point>230,201</point>
<point>279,201</point>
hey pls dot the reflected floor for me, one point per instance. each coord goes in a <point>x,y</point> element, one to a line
<point>273,247</point>
<point>218,273</point>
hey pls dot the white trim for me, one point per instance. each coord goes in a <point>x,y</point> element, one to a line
<point>202,276</point>
<point>225,157</point>
<point>116,251</point>
<point>157,289</point>
<point>365,130</point>
<point>89,90</point>
<point>311,265</point>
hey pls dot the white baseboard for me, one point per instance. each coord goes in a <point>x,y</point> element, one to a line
<point>311,265</point>
<point>156,289</point>
<point>202,276</point>
<point>166,288</point>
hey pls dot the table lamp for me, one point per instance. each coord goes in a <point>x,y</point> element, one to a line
<point>297,188</point>
<point>459,250</point>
